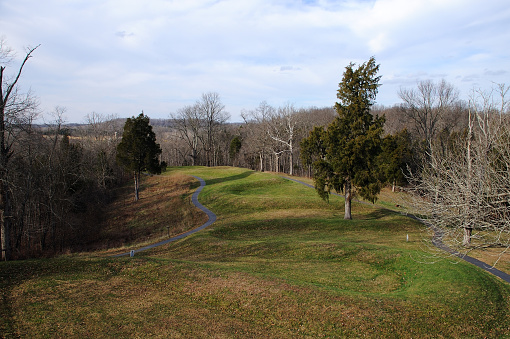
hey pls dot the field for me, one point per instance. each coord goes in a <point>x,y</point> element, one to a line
<point>278,263</point>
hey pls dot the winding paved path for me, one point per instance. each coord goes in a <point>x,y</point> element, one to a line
<point>212,218</point>
<point>194,200</point>
<point>439,244</point>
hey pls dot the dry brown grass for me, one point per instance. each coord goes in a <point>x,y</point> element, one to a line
<point>294,270</point>
<point>164,210</point>
<point>497,256</point>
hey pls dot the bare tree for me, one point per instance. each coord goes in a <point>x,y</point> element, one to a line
<point>100,137</point>
<point>213,113</point>
<point>275,131</point>
<point>464,189</point>
<point>315,116</point>
<point>257,125</point>
<point>281,127</point>
<point>429,108</point>
<point>200,126</point>
<point>190,126</point>
<point>309,118</point>
<point>12,107</point>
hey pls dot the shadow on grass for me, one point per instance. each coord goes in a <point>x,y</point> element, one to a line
<point>230,178</point>
<point>379,214</point>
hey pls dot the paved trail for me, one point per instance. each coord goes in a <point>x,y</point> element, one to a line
<point>212,218</point>
<point>439,244</point>
<point>194,199</point>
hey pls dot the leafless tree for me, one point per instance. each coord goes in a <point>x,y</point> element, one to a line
<point>100,137</point>
<point>273,134</point>
<point>277,129</point>
<point>282,128</point>
<point>212,111</point>
<point>464,189</point>
<point>257,126</point>
<point>309,118</point>
<point>13,106</point>
<point>429,108</point>
<point>49,197</point>
<point>200,127</point>
<point>189,124</point>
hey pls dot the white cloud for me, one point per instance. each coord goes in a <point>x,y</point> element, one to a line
<point>108,56</point>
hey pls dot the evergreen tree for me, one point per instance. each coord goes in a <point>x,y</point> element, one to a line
<point>235,146</point>
<point>351,144</point>
<point>313,155</point>
<point>138,150</point>
<point>396,157</point>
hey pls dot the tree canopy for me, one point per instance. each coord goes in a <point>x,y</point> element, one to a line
<point>397,157</point>
<point>344,156</point>
<point>138,150</point>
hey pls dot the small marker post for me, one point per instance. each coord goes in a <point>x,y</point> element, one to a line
<point>407,237</point>
<point>132,253</point>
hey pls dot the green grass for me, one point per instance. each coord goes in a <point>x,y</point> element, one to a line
<point>278,263</point>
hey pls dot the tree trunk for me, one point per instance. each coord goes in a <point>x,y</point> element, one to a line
<point>348,197</point>
<point>5,220</point>
<point>5,230</point>
<point>467,236</point>
<point>291,169</point>
<point>193,157</point>
<point>5,198</point>
<point>137,185</point>
<point>5,238</point>
<point>467,231</point>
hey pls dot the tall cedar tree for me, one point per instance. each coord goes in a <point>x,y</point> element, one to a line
<point>138,150</point>
<point>344,156</point>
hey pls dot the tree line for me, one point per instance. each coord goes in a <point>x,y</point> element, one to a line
<point>451,155</point>
<point>55,179</point>
<point>268,139</point>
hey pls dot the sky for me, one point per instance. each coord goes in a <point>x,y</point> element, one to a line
<point>119,57</point>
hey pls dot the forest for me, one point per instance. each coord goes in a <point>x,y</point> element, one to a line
<point>452,153</point>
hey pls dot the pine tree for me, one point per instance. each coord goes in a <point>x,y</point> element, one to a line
<point>235,146</point>
<point>138,150</point>
<point>396,157</point>
<point>352,143</point>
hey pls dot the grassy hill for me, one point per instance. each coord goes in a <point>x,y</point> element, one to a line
<point>278,263</point>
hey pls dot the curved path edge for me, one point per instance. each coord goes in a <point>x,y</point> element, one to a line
<point>194,200</point>
<point>439,244</point>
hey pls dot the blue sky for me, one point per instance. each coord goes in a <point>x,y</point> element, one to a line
<point>123,56</point>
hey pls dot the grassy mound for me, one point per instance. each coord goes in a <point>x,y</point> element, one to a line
<point>278,263</point>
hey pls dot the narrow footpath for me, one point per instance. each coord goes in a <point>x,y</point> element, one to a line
<point>439,244</point>
<point>212,218</point>
<point>194,200</point>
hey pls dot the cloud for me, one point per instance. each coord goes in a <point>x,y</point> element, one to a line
<point>124,34</point>
<point>107,56</point>
<point>289,68</point>
<point>491,73</point>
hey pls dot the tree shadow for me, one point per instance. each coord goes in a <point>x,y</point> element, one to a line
<point>230,178</point>
<point>379,214</point>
